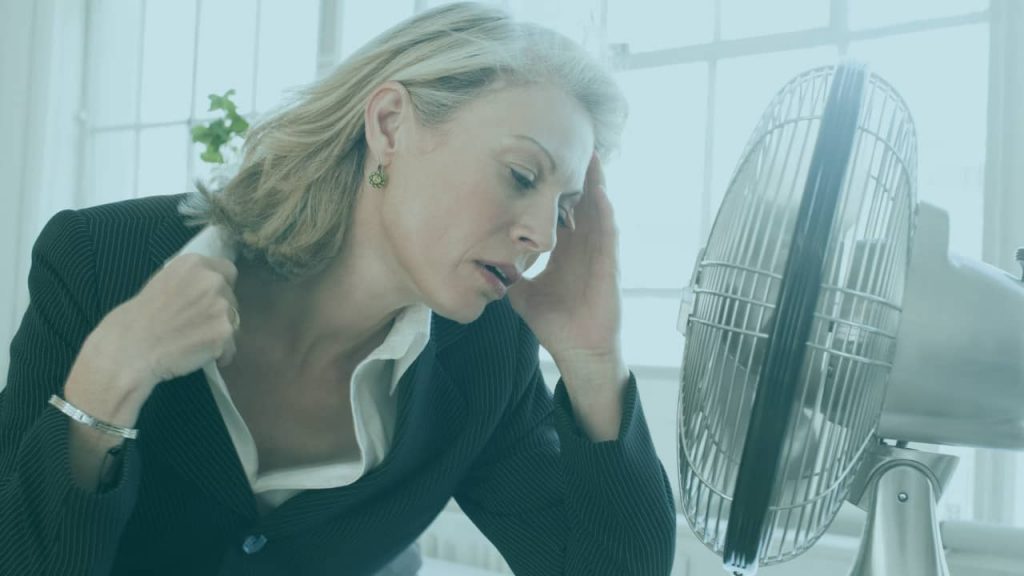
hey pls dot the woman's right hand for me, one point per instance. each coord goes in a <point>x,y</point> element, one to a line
<point>182,319</point>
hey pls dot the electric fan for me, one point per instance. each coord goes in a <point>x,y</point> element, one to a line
<point>812,334</point>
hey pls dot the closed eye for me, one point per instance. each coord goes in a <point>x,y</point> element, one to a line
<point>521,180</point>
<point>525,183</point>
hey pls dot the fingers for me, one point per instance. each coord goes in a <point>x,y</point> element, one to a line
<point>594,213</point>
<point>593,186</point>
<point>606,213</point>
<point>234,319</point>
<point>225,268</point>
<point>229,353</point>
<point>595,174</point>
<point>227,274</point>
<point>187,269</point>
<point>234,314</point>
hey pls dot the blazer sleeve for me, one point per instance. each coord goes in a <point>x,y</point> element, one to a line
<point>554,502</point>
<point>48,525</point>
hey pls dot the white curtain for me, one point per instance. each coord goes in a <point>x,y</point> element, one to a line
<point>41,56</point>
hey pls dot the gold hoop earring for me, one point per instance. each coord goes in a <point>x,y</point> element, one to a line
<point>378,178</point>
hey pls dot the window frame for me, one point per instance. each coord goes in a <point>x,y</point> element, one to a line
<point>86,194</point>
<point>994,472</point>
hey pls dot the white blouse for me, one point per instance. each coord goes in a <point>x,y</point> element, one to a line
<point>372,389</point>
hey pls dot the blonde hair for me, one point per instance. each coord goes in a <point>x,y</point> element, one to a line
<point>292,198</point>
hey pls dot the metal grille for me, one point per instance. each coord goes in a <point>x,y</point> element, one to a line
<point>852,342</point>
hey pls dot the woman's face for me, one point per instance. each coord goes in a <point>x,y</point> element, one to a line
<point>492,185</point>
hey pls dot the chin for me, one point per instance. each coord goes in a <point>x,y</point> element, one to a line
<point>465,310</point>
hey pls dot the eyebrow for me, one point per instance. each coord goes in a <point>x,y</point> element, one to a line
<point>551,160</point>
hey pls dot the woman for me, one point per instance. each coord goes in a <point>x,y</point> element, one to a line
<point>345,342</point>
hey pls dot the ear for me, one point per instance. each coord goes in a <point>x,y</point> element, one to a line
<point>388,112</point>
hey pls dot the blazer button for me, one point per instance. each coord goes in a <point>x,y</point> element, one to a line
<point>254,543</point>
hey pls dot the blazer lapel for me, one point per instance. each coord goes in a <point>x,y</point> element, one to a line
<point>180,423</point>
<point>431,408</point>
<point>431,413</point>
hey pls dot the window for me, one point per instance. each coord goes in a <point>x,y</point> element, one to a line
<point>697,74</point>
<point>151,65</point>
<point>738,60</point>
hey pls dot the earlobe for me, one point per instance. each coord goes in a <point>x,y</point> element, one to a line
<point>378,179</point>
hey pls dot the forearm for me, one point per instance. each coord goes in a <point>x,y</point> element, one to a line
<point>48,525</point>
<point>51,523</point>
<point>101,393</point>
<point>617,491</point>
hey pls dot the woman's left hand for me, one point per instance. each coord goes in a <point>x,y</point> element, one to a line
<point>573,306</point>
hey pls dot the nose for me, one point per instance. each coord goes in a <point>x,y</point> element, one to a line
<point>537,229</point>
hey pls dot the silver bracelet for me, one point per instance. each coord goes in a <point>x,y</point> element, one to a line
<point>79,416</point>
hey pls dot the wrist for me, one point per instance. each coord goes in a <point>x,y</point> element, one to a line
<point>592,367</point>
<point>595,386</point>
<point>85,392</point>
<point>106,387</point>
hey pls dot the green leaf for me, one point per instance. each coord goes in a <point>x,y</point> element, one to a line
<point>222,102</point>
<point>212,156</point>
<point>239,125</point>
<point>200,134</point>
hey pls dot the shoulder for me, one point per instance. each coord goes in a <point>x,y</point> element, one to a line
<point>134,220</point>
<point>496,351</point>
<point>114,247</point>
<point>118,223</point>
<point>498,332</point>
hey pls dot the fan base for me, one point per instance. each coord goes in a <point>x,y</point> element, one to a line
<point>901,535</point>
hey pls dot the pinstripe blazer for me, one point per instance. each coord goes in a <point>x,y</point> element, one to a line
<point>475,421</point>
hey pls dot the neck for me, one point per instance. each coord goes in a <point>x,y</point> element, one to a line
<point>324,324</point>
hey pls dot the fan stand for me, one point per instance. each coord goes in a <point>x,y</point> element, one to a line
<point>899,489</point>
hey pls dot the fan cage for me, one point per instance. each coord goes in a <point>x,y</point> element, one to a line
<point>853,336</point>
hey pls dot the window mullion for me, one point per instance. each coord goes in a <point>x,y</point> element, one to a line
<point>256,56</point>
<point>190,122</point>
<point>839,21</point>
<point>86,138</point>
<point>329,44</point>
<point>138,100</point>
<point>707,195</point>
